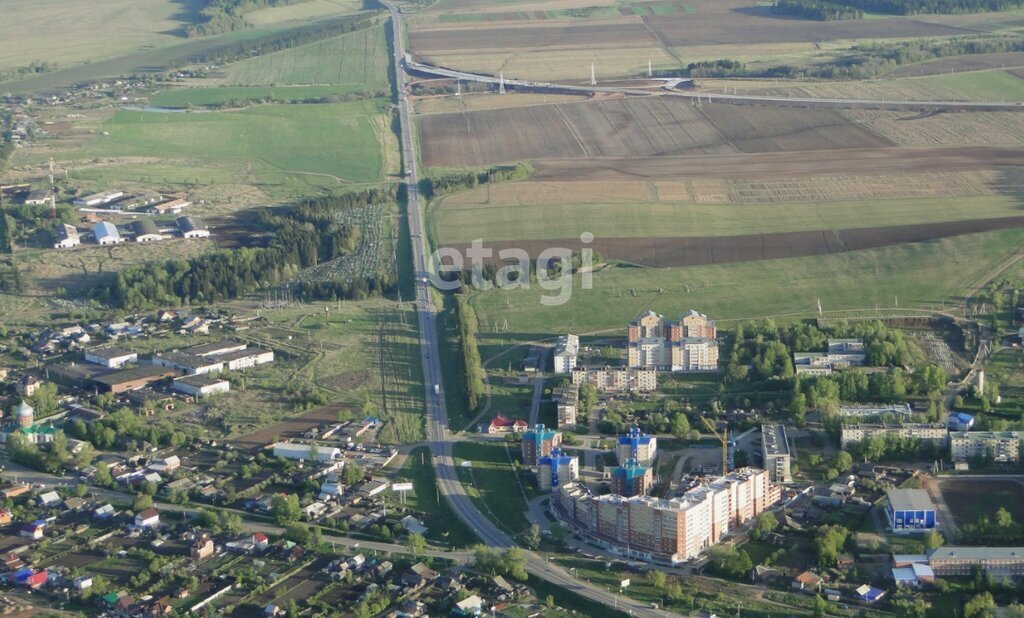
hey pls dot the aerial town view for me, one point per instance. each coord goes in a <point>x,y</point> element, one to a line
<point>512,308</point>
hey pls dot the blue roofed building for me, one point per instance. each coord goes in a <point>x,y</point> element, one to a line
<point>557,469</point>
<point>910,510</point>
<point>960,421</point>
<point>539,442</point>
<point>636,446</point>
<point>632,479</point>
<point>106,233</point>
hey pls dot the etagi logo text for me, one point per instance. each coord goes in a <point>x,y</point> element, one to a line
<point>553,267</point>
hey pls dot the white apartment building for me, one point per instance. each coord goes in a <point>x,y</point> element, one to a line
<point>567,348</point>
<point>1002,446</point>
<point>934,432</point>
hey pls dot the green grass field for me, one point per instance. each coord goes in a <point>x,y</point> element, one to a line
<point>529,221</point>
<point>339,143</point>
<point>359,58</point>
<point>926,275</point>
<point>68,32</point>
<point>198,97</point>
<point>444,527</point>
<point>496,483</point>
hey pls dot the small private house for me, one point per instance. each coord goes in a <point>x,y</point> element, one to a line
<point>65,236</point>
<point>503,424</point>
<point>191,227</point>
<point>112,358</point>
<point>146,231</point>
<point>150,518</point>
<point>33,530</point>
<point>106,233</point>
<point>807,581</point>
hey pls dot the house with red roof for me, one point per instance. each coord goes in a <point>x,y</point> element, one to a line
<point>503,424</point>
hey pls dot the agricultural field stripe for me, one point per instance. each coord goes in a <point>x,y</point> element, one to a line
<point>663,252</point>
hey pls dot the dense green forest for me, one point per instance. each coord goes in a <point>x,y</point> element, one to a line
<point>816,9</point>
<point>303,236</point>
<point>828,10</point>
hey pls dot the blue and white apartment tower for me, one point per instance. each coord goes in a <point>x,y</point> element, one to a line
<point>557,469</point>
<point>636,446</point>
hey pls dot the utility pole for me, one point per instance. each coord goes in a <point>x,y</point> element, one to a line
<point>593,75</point>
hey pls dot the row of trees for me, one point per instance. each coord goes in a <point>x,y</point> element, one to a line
<point>815,9</point>
<point>1001,529</point>
<point>301,237</point>
<point>450,183</point>
<point>473,369</point>
<point>861,62</point>
<point>912,7</point>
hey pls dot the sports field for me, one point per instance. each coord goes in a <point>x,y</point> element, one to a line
<point>924,275</point>
<point>339,142</point>
<point>359,59</point>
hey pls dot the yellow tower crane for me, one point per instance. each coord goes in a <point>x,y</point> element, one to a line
<point>724,438</point>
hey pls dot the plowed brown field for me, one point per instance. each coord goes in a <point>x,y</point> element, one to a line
<point>634,127</point>
<point>781,164</point>
<point>693,251</point>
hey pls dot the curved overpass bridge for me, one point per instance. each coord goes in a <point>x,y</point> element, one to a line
<point>429,70</point>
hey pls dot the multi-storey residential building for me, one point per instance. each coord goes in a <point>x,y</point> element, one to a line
<point>932,432</point>
<point>775,450</point>
<point>616,379</point>
<point>567,402</point>
<point>557,469</point>
<point>1002,446</point>
<point>668,530</point>
<point>686,345</point>
<point>636,446</point>
<point>632,479</point>
<point>566,350</point>
<point>539,442</point>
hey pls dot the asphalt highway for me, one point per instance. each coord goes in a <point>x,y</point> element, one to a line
<point>436,412</point>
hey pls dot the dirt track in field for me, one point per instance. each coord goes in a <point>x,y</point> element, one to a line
<point>632,127</point>
<point>695,251</point>
<point>781,164</point>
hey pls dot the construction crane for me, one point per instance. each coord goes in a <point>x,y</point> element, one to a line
<point>724,438</point>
